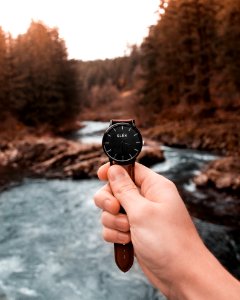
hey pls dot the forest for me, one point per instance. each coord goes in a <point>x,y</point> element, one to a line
<point>36,78</point>
<point>187,70</point>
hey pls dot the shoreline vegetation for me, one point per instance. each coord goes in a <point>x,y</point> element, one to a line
<point>48,155</point>
<point>181,86</point>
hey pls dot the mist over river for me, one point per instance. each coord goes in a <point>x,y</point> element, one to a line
<point>50,234</point>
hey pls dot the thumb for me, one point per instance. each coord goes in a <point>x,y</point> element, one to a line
<point>124,189</point>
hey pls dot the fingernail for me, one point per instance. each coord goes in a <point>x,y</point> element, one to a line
<point>115,173</point>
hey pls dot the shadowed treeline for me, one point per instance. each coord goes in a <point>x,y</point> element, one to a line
<point>38,85</point>
<point>192,55</point>
<point>189,64</point>
<point>187,68</point>
<point>104,80</point>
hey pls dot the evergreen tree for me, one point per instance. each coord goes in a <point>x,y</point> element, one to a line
<point>44,82</point>
<point>178,54</point>
<point>160,61</point>
<point>229,46</point>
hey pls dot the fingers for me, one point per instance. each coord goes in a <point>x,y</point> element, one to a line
<point>105,200</point>
<point>114,236</point>
<point>116,226</point>
<point>102,171</point>
<point>118,222</point>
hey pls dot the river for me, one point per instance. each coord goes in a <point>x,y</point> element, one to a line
<point>50,234</point>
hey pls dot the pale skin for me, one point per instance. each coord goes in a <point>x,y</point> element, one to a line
<point>166,243</point>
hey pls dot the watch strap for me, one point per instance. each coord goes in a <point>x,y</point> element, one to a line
<point>124,256</point>
<point>124,253</point>
<point>129,121</point>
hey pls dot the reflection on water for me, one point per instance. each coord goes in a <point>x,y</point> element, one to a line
<point>50,236</point>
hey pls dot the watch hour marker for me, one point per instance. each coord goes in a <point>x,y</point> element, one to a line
<point>109,135</point>
<point>122,127</point>
<point>135,149</point>
<point>135,134</point>
<point>108,150</point>
<point>130,155</point>
<point>129,129</point>
<point>138,142</point>
<point>114,129</point>
<point>115,155</point>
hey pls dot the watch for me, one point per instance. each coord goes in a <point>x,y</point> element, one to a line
<point>122,142</point>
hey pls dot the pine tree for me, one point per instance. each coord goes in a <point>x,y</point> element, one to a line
<point>229,46</point>
<point>44,83</point>
<point>160,61</point>
<point>179,54</point>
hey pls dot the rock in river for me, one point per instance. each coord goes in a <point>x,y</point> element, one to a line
<point>223,174</point>
<point>56,157</point>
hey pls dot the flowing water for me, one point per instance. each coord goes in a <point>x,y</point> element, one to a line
<point>50,235</point>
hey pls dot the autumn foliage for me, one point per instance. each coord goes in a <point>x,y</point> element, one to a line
<point>188,63</point>
<point>192,55</point>
<point>38,84</point>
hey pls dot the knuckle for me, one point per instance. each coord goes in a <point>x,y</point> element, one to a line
<point>107,235</point>
<point>170,184</point>
<point>107,220</point>
<point>103,218</point>
<point>97,196</point>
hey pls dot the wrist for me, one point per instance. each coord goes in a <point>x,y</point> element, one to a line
<point>203,277</point>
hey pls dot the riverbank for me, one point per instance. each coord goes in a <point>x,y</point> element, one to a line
<point>216,130</point>
<point>79,156</point>
<point>41,153</point>
<point>50,156</point>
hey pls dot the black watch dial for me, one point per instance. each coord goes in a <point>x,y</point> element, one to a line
<point>122,142</point>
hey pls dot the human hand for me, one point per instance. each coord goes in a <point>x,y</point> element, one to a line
<point>166,243</point>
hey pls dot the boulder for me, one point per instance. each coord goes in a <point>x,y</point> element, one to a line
<point>150,155</point>
<point>223,174</point>
<point>55,157</point>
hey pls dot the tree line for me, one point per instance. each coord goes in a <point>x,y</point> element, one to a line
<point>38,84</point>
<point>104,80</point>
<point>192,55</point>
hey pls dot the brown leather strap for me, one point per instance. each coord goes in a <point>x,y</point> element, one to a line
<point>124,256</point>
<point>124,253</point>
<point>130,121</point>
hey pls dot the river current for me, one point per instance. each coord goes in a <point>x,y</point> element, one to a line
<point>50,235</point>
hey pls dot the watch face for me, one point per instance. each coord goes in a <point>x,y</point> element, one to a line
<point>122,142</point>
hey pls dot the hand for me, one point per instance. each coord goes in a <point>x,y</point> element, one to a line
<point>166,243</point>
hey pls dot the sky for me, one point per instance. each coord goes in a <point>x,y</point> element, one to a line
<point>92,29</point>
